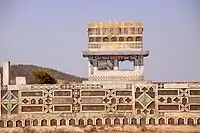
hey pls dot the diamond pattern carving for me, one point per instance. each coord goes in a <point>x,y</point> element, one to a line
<point>176,100</point>
<point>161,99</point>
<point>145,99</point>
<point>9,101</point>
<point>128,100</point>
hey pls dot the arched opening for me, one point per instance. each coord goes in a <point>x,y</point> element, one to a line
<point>137,89</point>
<point>184,101</point>
<point>180,121</point>
<point>71,122</point>
<point>121,100</point>
<point>114,39</point>
<point>107,121</point>
<point>190,121</point>
<point>152,121</point>
<point>169,100</point>
<point>129,39</point>
<point>126,64</point>
<point>198,121</point>
<point>105,39</point>
<point>9,123</point>
<point>99,122</point>
<point>91,39</point>
<point>18,123</point>
<point>1,123</point>
<point>161,121</point>
<point>81,122</point>
<point>33,101</point>
<point>171,121</point>
<point>121,39</point>
<point>44,122</point>
<point>62,122</point>
<point>134,121</point>
<point>150,89</point>
<point>27,123</point>
<point>138,38</point>
<point>125,121</point>
<point>117,121</point>
<point>90,122</point>
<point>53,122</point>
<point>98,39</point>
<point>138,111</point>
<point>142,121</point>
<point>35,122</point>
<point>40,101</point>
<point>151,111</point>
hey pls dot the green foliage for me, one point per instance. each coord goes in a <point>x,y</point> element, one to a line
<point>41,76</point>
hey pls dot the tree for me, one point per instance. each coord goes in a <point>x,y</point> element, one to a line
<point>41,76</point>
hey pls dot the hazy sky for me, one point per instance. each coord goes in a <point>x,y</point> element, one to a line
<point>52,33</point>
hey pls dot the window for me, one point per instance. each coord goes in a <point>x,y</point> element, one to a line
<point>126,65</point>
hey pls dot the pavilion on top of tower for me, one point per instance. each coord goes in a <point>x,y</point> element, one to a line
<point>112,43</point>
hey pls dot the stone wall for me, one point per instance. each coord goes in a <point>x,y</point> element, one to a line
<point>97,104</point>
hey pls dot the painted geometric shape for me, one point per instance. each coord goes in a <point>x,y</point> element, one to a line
<point>144,99</point>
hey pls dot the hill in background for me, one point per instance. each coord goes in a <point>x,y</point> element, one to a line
<point>26,70</point>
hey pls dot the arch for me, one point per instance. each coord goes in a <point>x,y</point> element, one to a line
<point>161,121</point>
<point>40,101</point>
<point>125,121</point>
<point>137,89</point>
<point>121,100</point>
<point>107,121</point>
<point>105,39</point>
<point>198,121</point>
<point>151,89</point>
<point>35,122</point>
<point>9,123</point>
<point>134,121</point>
<point>33,101</point>
<point>91,39</point>
<point>99,122</point>
<point>171,121</point>
<point>27,123</point>
<point>116,121</point>
<point>98,39</point>
<point>90,122</point>
<point>129,39</point>
<point>44,122</point>
<point>138,111</point>
<point>151,111</point>
<point>71,122</point>
<point>53,122</point>
<point>184,101</point>
<point>1,123</point>
<point>138,38</point>
<point>18,123</point>
<point>113,39</point>
<point>152,121</point>
<point>121,39</point>
<point>190,121</point>
<point>62,122</point>
<point>143,121</point>
<point>169,100</point>
<point>81,121</point>
<point>180,121</point>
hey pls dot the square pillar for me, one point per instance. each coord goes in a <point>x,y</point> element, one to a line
<point>6,73</point>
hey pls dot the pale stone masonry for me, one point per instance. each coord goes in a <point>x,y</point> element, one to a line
<point>111,96</point>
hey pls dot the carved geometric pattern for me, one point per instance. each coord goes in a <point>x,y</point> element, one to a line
<point>110,108</point>
<point>48,93</point>
<point>183,92</point>
<point>76,101</point>
<point>9,101</point>
<point>106,78</point>
<point>161,99</point>
<point>176,99</point>
<point>45,87</point>
<point>184,108</point>
<point>145,99</point>
<point>110,93</point>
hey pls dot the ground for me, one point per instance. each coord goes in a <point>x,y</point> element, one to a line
<point>106,129</point>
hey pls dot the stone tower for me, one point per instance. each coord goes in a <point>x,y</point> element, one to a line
<point>111,44</point>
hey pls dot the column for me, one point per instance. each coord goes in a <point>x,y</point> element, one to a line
<point>6,73</point>
<point>116,64</point>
